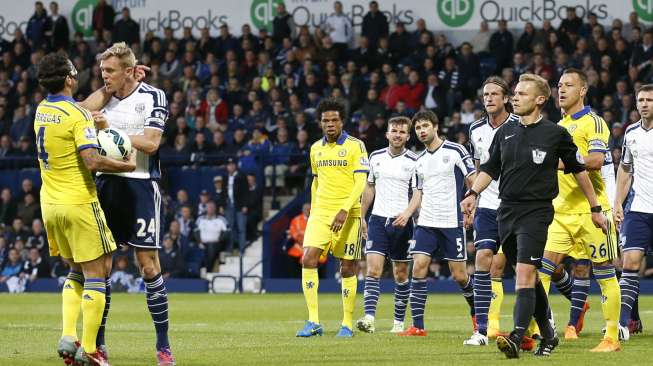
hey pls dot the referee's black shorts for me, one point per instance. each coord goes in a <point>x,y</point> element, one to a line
<point>523,230</point>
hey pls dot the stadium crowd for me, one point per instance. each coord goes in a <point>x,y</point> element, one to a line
<point>247,103</point>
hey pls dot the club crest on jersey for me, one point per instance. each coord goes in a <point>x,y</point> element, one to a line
<point>572,128</point>
<point>538,156</point>
<point>368,244</point>
<point>139,108</point>
<point>89,133</point>
<point>445,159</point>
<point>342,153</point>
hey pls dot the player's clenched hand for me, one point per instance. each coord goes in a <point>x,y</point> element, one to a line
<point>140,72</point>
<point>600,221</point>
<point>339,221</point>
<point>618,215</point>
<point>364,228</point>
<point>401,220</point>
<point>100,120</point>
<point>468,219</point>
<point>468,204</point>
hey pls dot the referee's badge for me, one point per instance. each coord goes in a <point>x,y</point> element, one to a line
<point>538,156</point>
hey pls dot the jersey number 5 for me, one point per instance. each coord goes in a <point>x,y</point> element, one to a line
<point>40,142</point>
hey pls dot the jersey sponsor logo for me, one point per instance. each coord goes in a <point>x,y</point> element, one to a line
<point>89,133</point>
<point>538,156</point>
<point>331,162</point>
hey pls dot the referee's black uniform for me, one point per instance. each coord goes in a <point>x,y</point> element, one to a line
<point>526,159</point>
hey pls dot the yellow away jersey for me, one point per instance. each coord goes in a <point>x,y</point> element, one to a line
<point>62,129</point>
<point>590,134</point>
<point>334,166</point>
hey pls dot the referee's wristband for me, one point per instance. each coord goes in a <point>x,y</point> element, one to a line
<point>471,192</point>
<point>596,209</point>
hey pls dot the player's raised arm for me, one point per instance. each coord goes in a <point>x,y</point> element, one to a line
<point>96,100</point>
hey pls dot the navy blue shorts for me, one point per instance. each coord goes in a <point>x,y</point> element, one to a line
<point>133,209</point>
<point>486,229</point>
<point>637,231</point>
<point>451,241</point>
<point>387,240</point>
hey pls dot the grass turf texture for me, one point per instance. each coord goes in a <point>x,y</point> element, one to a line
<point>260,329</point>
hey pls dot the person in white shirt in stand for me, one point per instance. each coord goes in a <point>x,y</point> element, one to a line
<point>339,28</point>
<point>210,230</point>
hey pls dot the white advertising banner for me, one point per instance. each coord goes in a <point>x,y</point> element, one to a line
<point>449,16</point>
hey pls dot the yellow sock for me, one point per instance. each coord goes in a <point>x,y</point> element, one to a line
<point>310,282</point>
<point>71,303</point>
<point>545,275</point>
<point>494,312</point>
<point>349,285</point>
<point>93,301</point>
<point>610,299</point>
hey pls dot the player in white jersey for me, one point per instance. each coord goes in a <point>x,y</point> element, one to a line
<point>132,201</point>
<point>442,170</point>
<point>389,182</point>
<point>489,264</point>
<point>637,237</point>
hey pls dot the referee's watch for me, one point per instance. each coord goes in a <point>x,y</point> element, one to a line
<point>596,209</point>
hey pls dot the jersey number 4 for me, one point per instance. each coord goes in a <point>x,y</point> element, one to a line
<point>40,142</point>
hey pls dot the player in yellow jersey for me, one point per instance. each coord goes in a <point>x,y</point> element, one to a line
<point>74,222</point>
<point>572,231</point>
<point>339,165</point>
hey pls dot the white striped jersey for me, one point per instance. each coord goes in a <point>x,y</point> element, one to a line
<point>441,178</point>
<point>638,152</point>
<point>392,177</point>
<point>145,107</point>
<point>609,179</point>
<point>481,134</point>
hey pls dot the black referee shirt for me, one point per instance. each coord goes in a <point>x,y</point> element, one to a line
<point>526,159</point>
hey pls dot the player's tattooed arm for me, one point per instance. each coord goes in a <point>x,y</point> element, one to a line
<point>98,163</point>
<point>148,142</point>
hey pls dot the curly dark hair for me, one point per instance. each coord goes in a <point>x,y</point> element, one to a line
<point>426,116</point>
<point>52,71</point>
<point>331,104</point>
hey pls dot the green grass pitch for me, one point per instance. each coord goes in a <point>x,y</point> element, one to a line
<point>259,330</point>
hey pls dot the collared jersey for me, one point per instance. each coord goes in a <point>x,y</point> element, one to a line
<point>481,134</point>
<point>63,129</point>
<point>441,178</point>
<point>590,134</point>
<point>392,177</point>
<point>334,164</point>
<point>638,152</point>
<point>526,159</point>
<point>145,107</point>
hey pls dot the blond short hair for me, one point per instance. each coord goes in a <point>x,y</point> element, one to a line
<point>540,84</point>
<point>122,52</point>
<point>400,121</point>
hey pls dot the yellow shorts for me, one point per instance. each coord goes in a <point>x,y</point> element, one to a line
<point>576,236</point>
<point>79,232</point>
<point>345,244</point>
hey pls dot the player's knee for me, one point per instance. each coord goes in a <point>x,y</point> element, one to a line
<point>460,276</point>
<point>374,271</point>
<point>483,259</point>
<point>347,268</point>
<point>149,271</point>
<point>400,274</point>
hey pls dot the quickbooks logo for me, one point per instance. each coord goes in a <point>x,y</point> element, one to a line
<point>262,12</point>
<point>82,16</point>
<point>644,9</point>
<point>456,13</point>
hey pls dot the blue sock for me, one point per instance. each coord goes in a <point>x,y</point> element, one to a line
<point>418,293</point>
<point>402,291</point>
<point>565,285</point>
<point>371,295</point>
<point>157,303</point>
<point>107,295</point>
<point>468,293</point>
<point>581,288</point>
<point>629,284</point>
<point>482,299</point>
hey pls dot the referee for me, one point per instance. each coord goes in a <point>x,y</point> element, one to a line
<point>525,155</point>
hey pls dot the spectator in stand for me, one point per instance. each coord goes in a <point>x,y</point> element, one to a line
<point>375,25</point>
<point>501,46</point>
<point>210,232</point>
<point>616,139</point>
<point>17,229</point>
<point>340,29</point>
<point>4,250</point>
<point>393,92</point>
<point>203,202</point>
<point>467,115</point>
<point>435,98</point>
<point>37,238</point>
<point>253,207</point>
<point>29,209</point>
<point>449,78</point>
<point>11,272</point>
<point>6,148</point>
<point>277,166</point>
<point>481,41</point>
<point>37,26</point>
<point>572,24</point>
<point>126,29</point>
<point>225,42</point>
<point>171,259</point>
<point>59,33</point>
<point>219,195</point>
<point>399,44</point>
<point>35,266</point>
<point>295,245</point>
<point>283,25</point>
<point>186,222</point>
<point>234,212</point>
<point>469,67</point>
<point>103,18</point>
<point>22,125</point>
<point>8,207</point>
<point>415,91</point>
<point>213,109</point>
